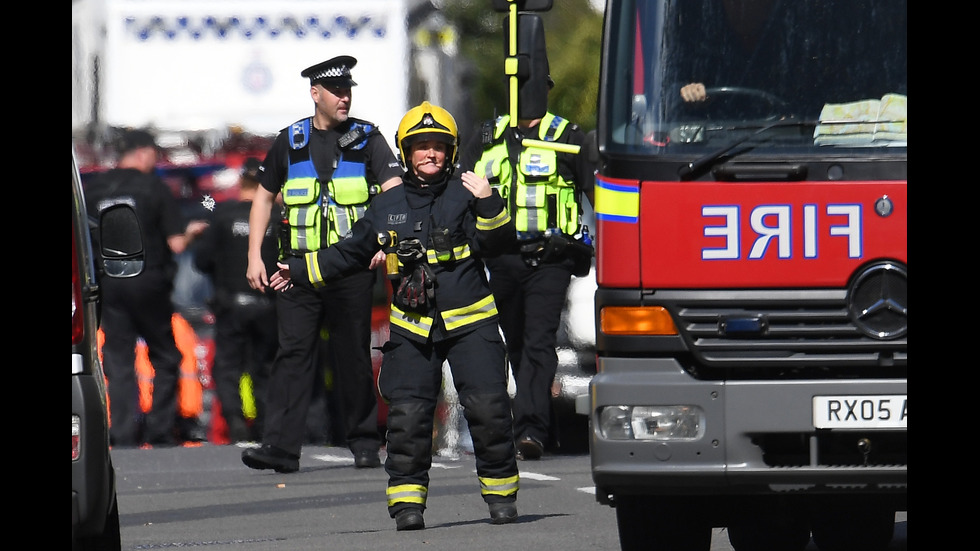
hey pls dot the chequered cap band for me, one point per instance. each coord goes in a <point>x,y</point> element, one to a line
<point>332,72</point>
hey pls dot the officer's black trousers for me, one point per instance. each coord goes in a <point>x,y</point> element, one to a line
<point>530,302</point>
<point>411,381</point>
<point>134,308</point>
<point>344,306</point>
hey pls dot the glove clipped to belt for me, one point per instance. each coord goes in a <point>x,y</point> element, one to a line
<point>416,287</point>
<point>419,283</point>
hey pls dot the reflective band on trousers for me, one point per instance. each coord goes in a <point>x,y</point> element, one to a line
<point>410,321</point>
<point>407,493</point>
<point>497,486</point>
<point>479,310</point>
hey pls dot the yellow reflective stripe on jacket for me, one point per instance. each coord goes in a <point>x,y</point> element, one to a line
<point>458,253</point>
<point>407,493</point>
<point>485,224</point>
<point>479,310</point>
<point>410,321</point>
<point>313,270</point>
<point>498,486</point>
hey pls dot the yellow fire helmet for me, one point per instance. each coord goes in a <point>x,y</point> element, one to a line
<point>430,122</point>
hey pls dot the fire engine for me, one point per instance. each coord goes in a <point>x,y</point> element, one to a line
<point>751,313</point>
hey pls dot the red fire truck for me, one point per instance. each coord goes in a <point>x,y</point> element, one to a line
<point>752,268</point>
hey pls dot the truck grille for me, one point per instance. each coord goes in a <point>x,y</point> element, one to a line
<point>835,449</point>
<point>779,328</point>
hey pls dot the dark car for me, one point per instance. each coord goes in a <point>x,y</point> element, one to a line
<point>94,510</point>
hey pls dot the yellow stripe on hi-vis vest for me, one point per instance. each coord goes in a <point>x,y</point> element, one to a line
<point>617,203</point>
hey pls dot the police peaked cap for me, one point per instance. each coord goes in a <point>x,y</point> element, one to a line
<point>332,72</point>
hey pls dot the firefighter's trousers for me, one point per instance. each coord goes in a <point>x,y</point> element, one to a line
<point>411,380</point>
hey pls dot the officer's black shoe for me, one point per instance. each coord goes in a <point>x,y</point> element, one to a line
<point>270,457</point>
<point>529,447</point>
<point>367,459</point>
<point>503,513</point>
<point>409,519</point>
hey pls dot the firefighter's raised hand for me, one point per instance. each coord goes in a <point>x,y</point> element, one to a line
<point>478,185</point>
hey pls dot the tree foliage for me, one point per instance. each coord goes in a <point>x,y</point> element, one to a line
<point>573,35</point>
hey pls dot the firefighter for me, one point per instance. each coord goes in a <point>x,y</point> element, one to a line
<point>439,227</point>
<point>543,189</point>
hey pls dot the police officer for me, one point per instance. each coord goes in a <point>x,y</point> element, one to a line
<point>439,228</point>
<point>245,332</point>
<point>328,167</point>
<point>543,189</point>
<point>141,307</point>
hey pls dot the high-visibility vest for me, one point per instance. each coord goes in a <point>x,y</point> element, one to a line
<point>319,216</point>
<point>537,196</point>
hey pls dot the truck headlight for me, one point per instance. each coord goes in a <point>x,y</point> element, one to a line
<point>678,422</point>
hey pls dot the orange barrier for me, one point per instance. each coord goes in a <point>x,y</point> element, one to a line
<point>190,391</point>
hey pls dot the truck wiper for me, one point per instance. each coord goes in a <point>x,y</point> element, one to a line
<point>696,166</point>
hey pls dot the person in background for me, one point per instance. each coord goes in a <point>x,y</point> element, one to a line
<point>544,190</point>
<point>437,228</point>
<point>141,307</point>
<point>328,168</point>
<point>245,336</point>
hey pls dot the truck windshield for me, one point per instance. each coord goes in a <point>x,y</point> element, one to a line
<point>687,76</point>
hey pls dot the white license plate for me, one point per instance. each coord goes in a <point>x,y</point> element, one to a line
<point>861,412</point>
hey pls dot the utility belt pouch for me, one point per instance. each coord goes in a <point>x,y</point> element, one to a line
<point>560,247</point>
<point>532,251</point>
<point>300,198</point>
<point>581,255</point>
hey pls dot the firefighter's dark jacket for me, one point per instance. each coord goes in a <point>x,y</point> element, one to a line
<point>478,228</point>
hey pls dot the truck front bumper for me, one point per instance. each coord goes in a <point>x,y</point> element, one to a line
<point>758,437</point>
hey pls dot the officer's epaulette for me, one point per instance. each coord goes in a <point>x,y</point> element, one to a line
<point>299,133</point>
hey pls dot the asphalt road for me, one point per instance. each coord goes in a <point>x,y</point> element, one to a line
<point>204,497</point>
